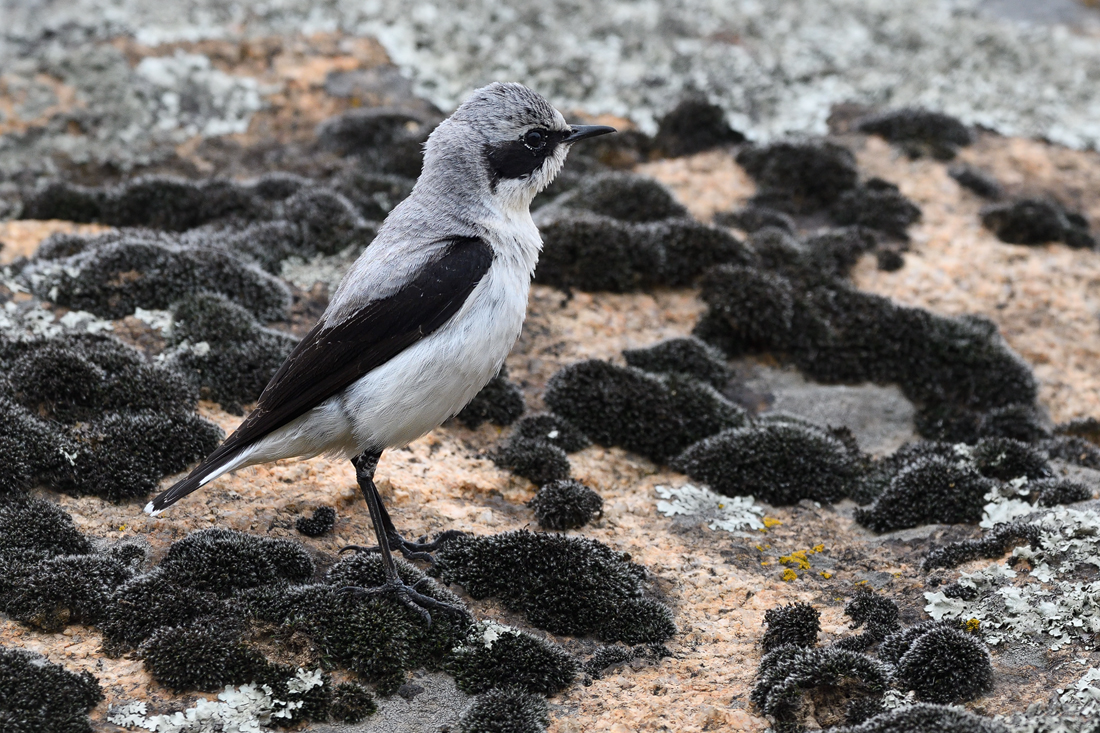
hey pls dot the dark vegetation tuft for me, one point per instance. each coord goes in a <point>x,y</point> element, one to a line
<point>492,659</point>
<point>978,181</point>
<point>552,429</point>
<point>322,522</point>
<point>563,584</point>
<point>499,402</point>
<point>656,416</point>
<point>689,356</point>
<point>692,126</point>
<point>565,504</point>
<point>876,204</point>
<point>38,696</point>
<point>539,461</point>
<point>800,176</point>
<point>928,491</point>
<point>919,132</point>
<point>506,710</point>
<point>1037,221</point>
<point>796,624</point>
<point>945,665</point>
<point>223,349</point>
<point>780,463</point>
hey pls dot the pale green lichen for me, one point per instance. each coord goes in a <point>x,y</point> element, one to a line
<point>728,514</point>
<point>243,709</point>
<point>1051,599</point>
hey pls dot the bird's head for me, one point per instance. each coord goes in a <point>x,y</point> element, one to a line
<point>509,139</point>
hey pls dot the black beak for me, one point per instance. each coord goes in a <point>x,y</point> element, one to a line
<point>580,132</point>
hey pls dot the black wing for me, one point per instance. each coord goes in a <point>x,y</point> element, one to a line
<point>331,358</point>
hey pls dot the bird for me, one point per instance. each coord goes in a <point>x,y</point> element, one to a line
<point>422,320</point>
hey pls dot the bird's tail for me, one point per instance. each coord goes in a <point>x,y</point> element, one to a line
<point>223,460</point>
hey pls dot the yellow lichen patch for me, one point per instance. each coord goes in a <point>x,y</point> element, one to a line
<point>818,548</point>
<point>770,522</point>
<point>789,575</point>
<point>972,625</point>
<point>826,575</point>
<point>798,557</point>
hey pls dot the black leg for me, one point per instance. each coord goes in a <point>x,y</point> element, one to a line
<point>419,550</point>
<point>365,464</point>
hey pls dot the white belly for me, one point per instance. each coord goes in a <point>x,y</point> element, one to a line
<point>421,387</point>
<point>436,377</point>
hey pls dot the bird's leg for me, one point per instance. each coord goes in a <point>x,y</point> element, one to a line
<point>365,464</point>
<point>418,550</point>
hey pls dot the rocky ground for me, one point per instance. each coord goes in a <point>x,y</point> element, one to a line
<point>270,93</point>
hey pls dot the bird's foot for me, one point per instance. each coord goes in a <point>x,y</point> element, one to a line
<point>418,550</point>
<point>409,596</point>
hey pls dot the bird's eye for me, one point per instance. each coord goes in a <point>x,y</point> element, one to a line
<point>534,139</point>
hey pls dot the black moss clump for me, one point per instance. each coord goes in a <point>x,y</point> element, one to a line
<point>1053,492</point>
<point>995,543</point>
<point>750,310</point>
<point>223,560</point>
<point>322,522</point>
<point>37,695</point>
<point>754,218</point>
<point>606,657</point>
<point>656,416</point>
<point>617,406</point>
<point>834,252</point>
<point>590,251</point>
<point>327,222</point>
<point>158,202</point>
<point>385,139</point>
<point>692,126</point>
<point>933,490</point>
<point>624,197</point>
<point>538,461</point>
<point>374,194</point>
<point>978,181</point>
<point>1072,449</point>
<point>1007,459</point>
<point>797,624</point>
<point>877,614</point>
<point>876,204</point>
<point>565,504</point>
<point>806,175</point>
<point>1037,221</point>
<point>147,602</point>
<point>205,654</point>
<point>492,658</point>
<point>78,377</point>
<point>351,703</point>
<point>50,575</point>
<point>117,273</point>
<point>506,710</point>
<point>889,260</point>
<point>223,350</point>
<point>375,636</point>
<point>924,718</point>
<point>499,402</point>
<point>121,456</point>
<point>563,584</point>
<point>919,132</point>
<point>1087,428</point>
<point>945,665</point>
<point>34,528</point>
<point>789,673</point>
<point>53,593</point>
<point>836,334</point>
<point>780,463</point>
<point>553,429</point>
<point>689,356</point>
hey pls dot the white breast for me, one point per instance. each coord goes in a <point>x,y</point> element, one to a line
<point>433,379</point>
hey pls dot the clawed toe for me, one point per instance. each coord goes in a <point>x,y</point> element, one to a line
<point>408,596</point>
